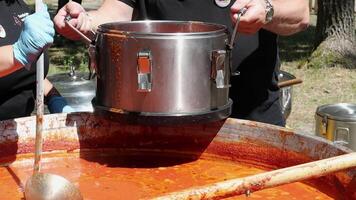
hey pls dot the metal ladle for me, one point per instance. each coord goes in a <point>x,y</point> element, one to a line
<point>44,186</point>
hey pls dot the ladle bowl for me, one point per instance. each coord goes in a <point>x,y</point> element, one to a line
<point>44,186</point>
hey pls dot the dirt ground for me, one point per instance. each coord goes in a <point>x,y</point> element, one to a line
<point>319,87</point>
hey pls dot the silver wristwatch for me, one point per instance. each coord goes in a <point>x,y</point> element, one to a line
<point>269,11</point>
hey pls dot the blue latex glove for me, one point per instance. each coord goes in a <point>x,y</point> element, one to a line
<point>37,34</point>
<point>58,104</point>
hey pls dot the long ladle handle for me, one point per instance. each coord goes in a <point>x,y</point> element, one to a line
<point>39,103</point>
<point>233,36</point>
<point>266,180</point>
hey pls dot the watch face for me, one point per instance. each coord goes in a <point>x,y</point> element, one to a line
<point>269,15</point>
<point>222,3</point>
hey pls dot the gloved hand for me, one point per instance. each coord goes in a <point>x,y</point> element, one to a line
<point>37,34</point>
<point>58,104</point>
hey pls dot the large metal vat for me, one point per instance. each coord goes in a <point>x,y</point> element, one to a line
<point>163,68</point>
<point>76,88</point>
<point>139,148</point>
<point>337,123</point>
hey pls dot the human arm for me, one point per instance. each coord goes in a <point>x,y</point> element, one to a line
<point>8,63</point>
<point>36,35</point>
<point>54,100</point>
<point>109,11</point>
<point>290,16</point>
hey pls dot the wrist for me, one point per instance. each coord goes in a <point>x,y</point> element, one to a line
<point>19,54</point>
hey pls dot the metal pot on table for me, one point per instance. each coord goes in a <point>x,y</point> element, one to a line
<point>337,123</point>
<point>76,88</point>
<point>163,70</point>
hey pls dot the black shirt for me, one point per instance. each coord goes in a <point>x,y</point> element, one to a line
<point>254,92</point>
<point>18,88</point>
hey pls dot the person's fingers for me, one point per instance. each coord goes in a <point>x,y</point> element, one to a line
<point>254,18</point>
<point>86,24</point>
<point>238,5</point>
<point>73,9</point>
<point>255,12</point>
<point>81,20</point>
<point>59,19</point>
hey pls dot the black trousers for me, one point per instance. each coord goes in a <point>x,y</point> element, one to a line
<point>264,108</point>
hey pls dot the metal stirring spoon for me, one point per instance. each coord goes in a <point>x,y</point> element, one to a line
<point>44,186</point>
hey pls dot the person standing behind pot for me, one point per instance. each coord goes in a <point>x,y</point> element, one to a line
<point>23,37</point>
<point>255,56</point>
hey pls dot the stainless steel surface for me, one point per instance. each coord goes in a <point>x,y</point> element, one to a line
<point>181,67</point>
<point>144,69</point>
<point>50,187</point>
<point>76,89</point>
<point>337,123</point>
<point>218,71</point>
<point>285,95</point>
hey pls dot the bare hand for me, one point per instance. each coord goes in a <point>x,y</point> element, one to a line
<point>254,18</point>
<point>79,19</point>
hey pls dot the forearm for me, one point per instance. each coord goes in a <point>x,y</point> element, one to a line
<point>47,86</point>
<point>290,16</point>
<point>8,63</point>
<point>110,11</point>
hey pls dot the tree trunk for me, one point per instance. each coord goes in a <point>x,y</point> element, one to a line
<point>335,34</point>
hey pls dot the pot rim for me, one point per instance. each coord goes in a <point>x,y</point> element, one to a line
<point>346,117</point>
<point>105,28</point>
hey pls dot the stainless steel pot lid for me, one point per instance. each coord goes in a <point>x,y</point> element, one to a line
<point>340,111</point>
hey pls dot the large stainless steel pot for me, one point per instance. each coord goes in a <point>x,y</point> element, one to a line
<point>163,68</point>
<point>76,89</point>
<point>337,122</point>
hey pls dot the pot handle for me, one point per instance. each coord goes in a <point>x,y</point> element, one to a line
<point>234,33</point>
<point>342,136</point>
<point>144,69</point>
<point>218,72</point>
<point>91,49</point>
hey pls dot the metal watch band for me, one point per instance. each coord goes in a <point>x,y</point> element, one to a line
<point>269,11</point>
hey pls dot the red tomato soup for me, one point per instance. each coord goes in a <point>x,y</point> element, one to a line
<point>111,175</point>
